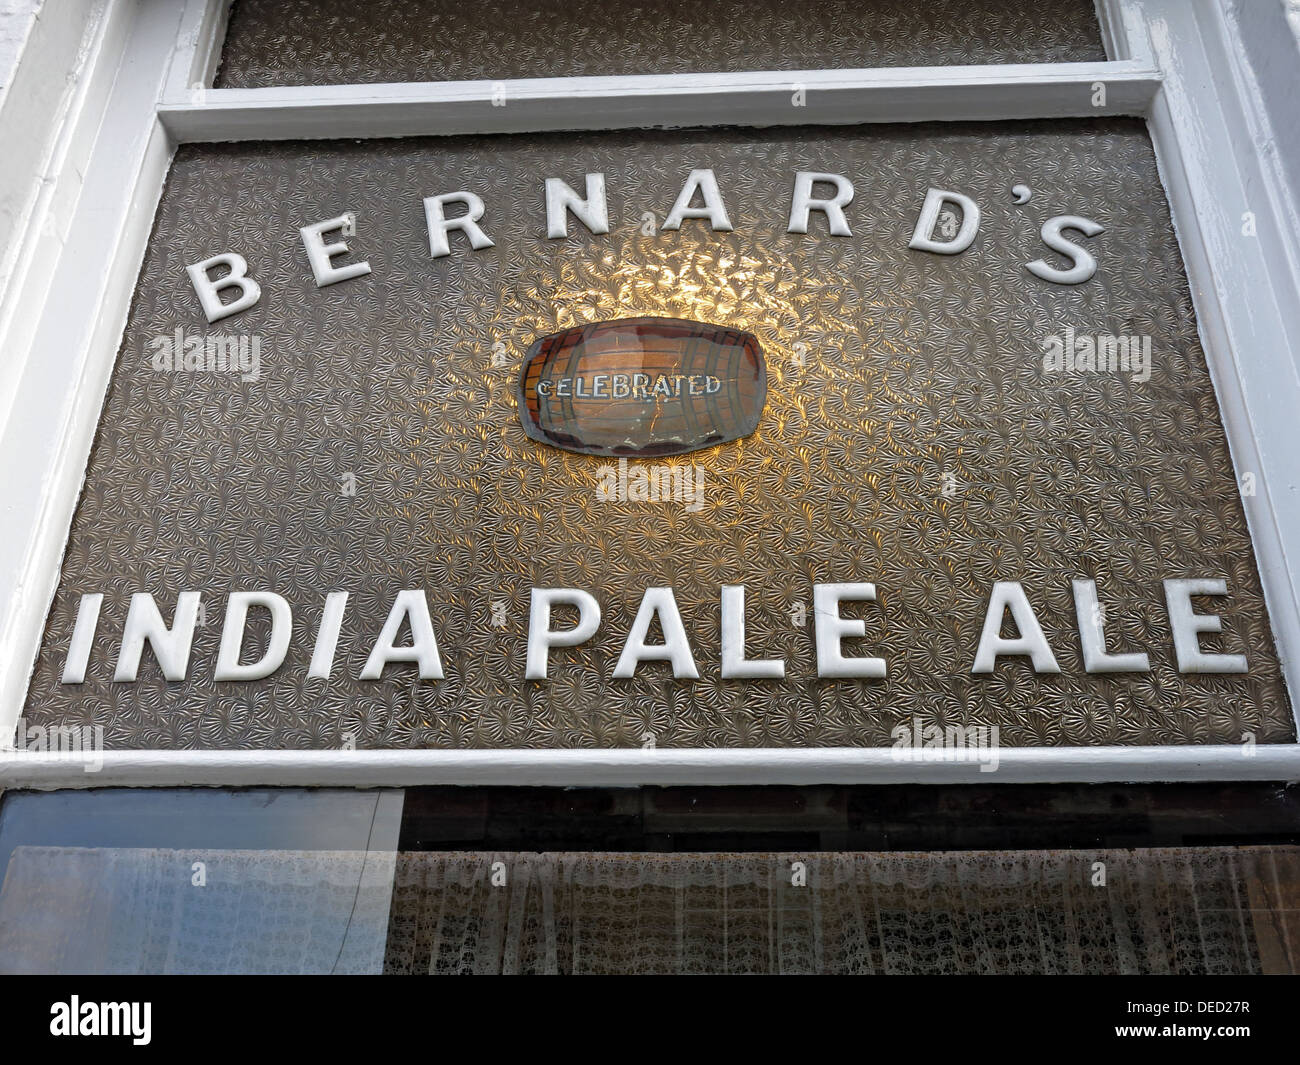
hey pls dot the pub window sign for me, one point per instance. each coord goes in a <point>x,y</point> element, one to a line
<point>849,438</point>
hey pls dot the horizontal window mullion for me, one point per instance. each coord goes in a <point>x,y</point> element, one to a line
<point>632,767</point>
<point>900,94</point>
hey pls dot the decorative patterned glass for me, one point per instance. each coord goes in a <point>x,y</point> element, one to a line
<point>642,386</point>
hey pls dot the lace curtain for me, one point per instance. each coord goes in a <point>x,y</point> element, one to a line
<point>1202,910</point>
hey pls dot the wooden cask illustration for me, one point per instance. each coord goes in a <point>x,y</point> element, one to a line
<point>642,387</point>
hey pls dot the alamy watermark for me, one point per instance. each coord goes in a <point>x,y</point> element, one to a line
<point>651,482</point>
<point>122,1019</point>
<point>181,352</point>
<point>916,742</point>
<point>1073,352</point>
<point>72,743</point>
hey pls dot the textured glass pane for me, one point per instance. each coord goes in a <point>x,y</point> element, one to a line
<point>327,42</point>
<point>913,437</point>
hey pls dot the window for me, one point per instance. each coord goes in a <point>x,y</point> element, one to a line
<point>1104,80</point>
<point>650,881</point>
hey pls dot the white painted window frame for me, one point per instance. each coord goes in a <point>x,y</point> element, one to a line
<point>1174,62</point>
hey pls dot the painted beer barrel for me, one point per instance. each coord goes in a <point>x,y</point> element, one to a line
<point>642,387</point>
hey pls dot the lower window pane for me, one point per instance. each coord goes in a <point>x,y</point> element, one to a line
<point>334,881</point>
<point>180,881</point>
